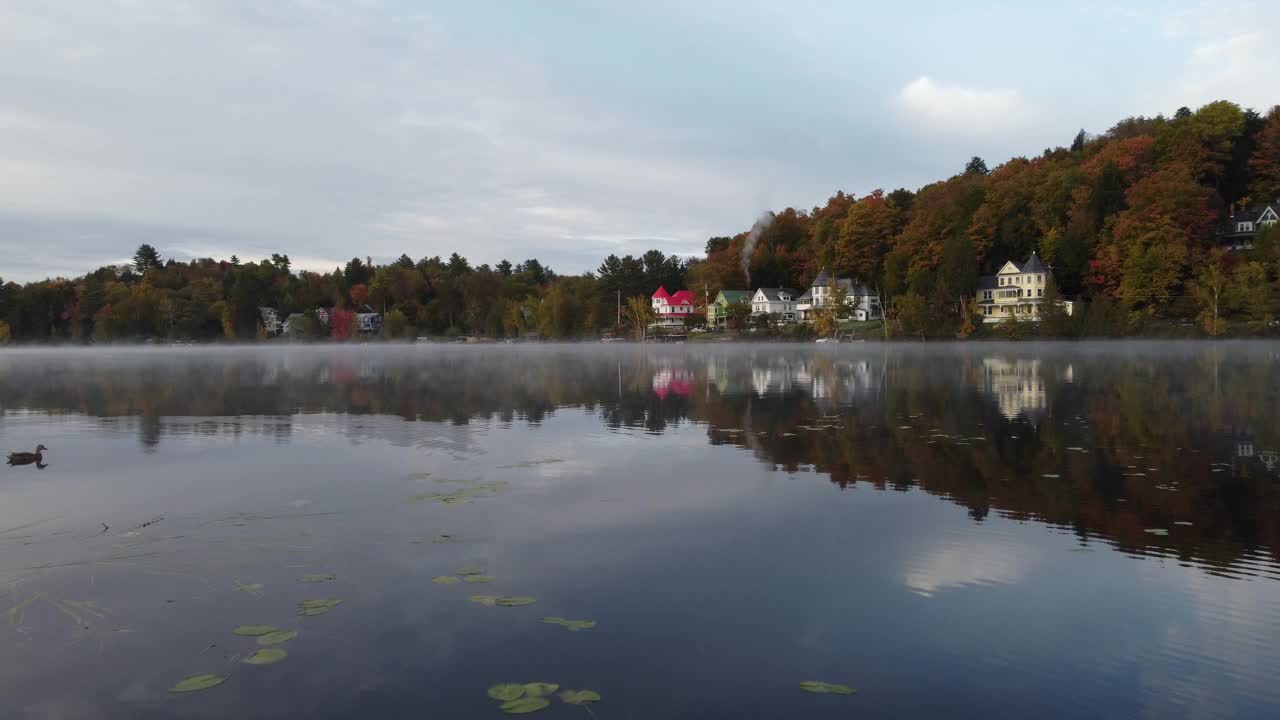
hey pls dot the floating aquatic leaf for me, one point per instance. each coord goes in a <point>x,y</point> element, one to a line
<point>580,697</point>
<point>462,495</point>
<point>446,539</point>
<point>524,705</point>
<point>445,580</point>
<point>317,577</point>
<point>266,656</point>
<point>815,686</point>
<point>1156,531</point>
<point>1183,523</point>
<point>470,570</point>
<point>254,630</point>
<point>317,607</point>
<point>539,689</point>
<point>515,600</point>
<point>252,588</point>
<point>572,625</point>
<point>486,600</point>
<point>277,637</point>
<point>506,691</point>
<point>530,463</point>
<point>197,682</point>
<point>478,578</point>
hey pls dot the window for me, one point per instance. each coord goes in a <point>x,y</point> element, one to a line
<point>1002,282</point>
<point>1040,292</point>
<point>1244,227</point>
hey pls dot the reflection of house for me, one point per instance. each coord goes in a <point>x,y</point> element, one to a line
<point>368,323</point>
<point>323,315</point>
<point>673,381</point>
<point>1269,458</point>
<point>718,311</point>
<point>270,320</point>
<point>861,302</point>
<point>1017,387</point>
<point>1016,291</point>
<point>775,301</point>
<point>672,309</point>
<point>1245,225</point>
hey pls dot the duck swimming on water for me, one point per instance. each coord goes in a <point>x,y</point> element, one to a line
<point>26,458</point>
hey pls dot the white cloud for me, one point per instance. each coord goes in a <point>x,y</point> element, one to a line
<point>961,111</point>
<point>1239,68</point>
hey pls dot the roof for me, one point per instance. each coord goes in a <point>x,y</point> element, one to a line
<point>823,279</point>
<point>1033,264</point>
<point>662,293</point>
<point>771,294</point>
<point>808,295</point>
<point>681,297</point>
<point>988,282</point>
<point>735,296</point>
<point>853,288</point>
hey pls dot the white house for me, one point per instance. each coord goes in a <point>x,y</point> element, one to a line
<point>672,309</point>
<point>861,302</point>
<point>778,301</point>
<point>1015,292</point>
<point>270,320</point>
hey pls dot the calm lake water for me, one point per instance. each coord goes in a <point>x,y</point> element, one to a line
<point>987,531</point>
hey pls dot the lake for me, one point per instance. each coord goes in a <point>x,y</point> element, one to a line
<point>973,530</point>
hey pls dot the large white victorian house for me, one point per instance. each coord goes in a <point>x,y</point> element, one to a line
<point>861,302</point>
<point>776,301</point>
<point>1016,292</point>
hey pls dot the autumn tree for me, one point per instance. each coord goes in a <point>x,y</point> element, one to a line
<point>1264,165</point>
<point>146,258</point>
<point>639,314</point>
<point>975,166</point>
<point>1209,290</point>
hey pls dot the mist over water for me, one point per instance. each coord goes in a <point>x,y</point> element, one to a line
<point>974,530</point>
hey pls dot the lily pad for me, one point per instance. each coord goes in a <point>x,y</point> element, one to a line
<point>197,682</point>
<point>317,577</point>
<point>823,688</point>
<point>580,697</point>
<point>277,637</point>
<point>445,580</point>
<point>251,588</point>
<point>317,607</point>
<point>470,570</point>
<point>266,656</point>
<point>539,689</point>
<point>524,705</point>
<point>1156,531</point>
<point>515,600</point>
<point>478,578</point>
<point>571,625</point>
<point>506,692</point>
<point>486,600</point>
<point>254,630</point>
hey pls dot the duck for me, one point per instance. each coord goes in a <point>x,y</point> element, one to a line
<point>26,458</point>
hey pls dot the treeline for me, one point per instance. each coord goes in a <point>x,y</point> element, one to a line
<point>1128,220</point>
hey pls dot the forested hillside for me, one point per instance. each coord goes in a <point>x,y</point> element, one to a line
<point>1128,219</point>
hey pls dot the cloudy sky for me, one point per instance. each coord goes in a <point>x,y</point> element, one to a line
<point>559,130</point>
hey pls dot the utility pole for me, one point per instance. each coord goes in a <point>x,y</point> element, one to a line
<point>619,307</point>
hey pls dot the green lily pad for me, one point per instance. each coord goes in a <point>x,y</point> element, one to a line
<point>478,578</point>
<point>539,689</point>
<point>470,570</point>
<point>571,625</point>
<point>251,588</point>
<point>253,630</point>
<point>486,600</point>
<point>317,607</point>
<point>317,577</point>
<point>506,692</point>
<point>266,656</point>
<point>580,697</point>
<point>197,682</point>
<point>515,600</point>
<point>446,539</point>
<point>277,637</point>
<point>524,705</point>
<point>823,688</point>
<point>445,580</point>
<point>1156,531</point>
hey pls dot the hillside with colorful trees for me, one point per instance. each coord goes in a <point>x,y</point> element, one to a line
<point>1130,220</point>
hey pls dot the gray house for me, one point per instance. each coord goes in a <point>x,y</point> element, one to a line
<point>863,304</point>
<point>1244,226</point>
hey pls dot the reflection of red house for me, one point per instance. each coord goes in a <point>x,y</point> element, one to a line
<point>672,382</point>
<point>672,309</point>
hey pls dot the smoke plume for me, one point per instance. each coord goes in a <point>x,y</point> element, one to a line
<point>749,246</point>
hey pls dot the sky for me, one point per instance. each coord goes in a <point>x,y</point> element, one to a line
<point>559,130</point>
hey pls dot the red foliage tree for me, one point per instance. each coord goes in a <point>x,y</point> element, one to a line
<point>342,323</point>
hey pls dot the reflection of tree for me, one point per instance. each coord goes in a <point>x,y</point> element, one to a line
<point>1067,438</point>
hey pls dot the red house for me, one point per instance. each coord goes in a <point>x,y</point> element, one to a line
<point>672,309</point>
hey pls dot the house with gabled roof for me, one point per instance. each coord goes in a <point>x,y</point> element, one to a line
<point>718,310</point>
<point>1015,292</point>
<point>860,301</point>
<point>672,309</point>
<point>1243,226</point>
<point>775,301</point>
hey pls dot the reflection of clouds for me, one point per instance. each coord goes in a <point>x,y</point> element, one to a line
<point>966,562</point>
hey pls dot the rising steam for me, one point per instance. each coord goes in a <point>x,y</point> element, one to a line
<point>749,246</point>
